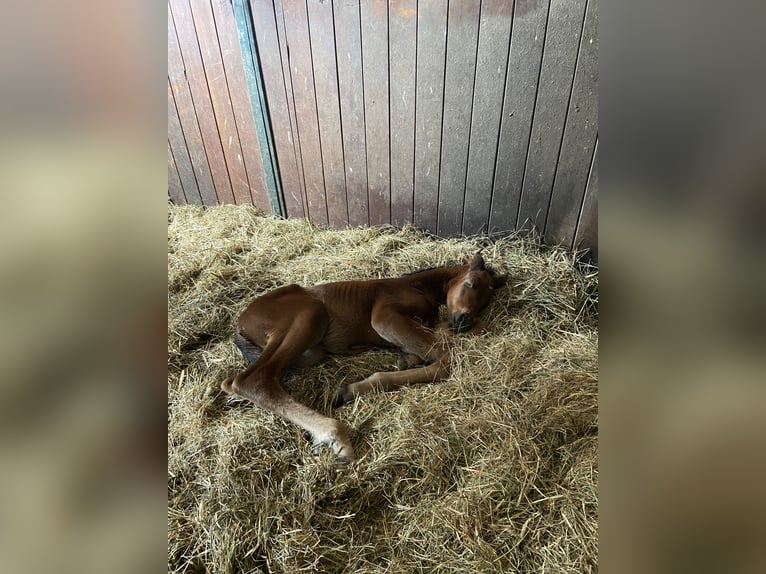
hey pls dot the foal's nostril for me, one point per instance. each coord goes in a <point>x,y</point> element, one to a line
<point>460,323</point>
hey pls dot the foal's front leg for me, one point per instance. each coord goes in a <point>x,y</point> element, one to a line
<point>413,339</point>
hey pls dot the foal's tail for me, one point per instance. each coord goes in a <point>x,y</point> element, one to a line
<point>249,350</point>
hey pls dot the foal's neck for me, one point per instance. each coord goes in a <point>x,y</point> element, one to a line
<point>435,282</point>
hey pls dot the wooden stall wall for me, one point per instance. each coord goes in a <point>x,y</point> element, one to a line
<point>214,155</point>
<point>458,116</point>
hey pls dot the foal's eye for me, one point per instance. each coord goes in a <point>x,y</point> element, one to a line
<point>469,283</point>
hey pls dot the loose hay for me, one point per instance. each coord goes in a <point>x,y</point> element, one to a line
<point>494,470</point>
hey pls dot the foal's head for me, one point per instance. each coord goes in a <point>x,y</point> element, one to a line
<point>469,292</point>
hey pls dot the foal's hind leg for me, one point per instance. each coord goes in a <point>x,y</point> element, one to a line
<point>250,351</point>
<point>260,382</point>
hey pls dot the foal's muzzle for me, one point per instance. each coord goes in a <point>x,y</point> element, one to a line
<point>460,323</point>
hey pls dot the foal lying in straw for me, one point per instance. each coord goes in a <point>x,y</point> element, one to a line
<point>298,326</point>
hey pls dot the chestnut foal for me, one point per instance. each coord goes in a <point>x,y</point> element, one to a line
<point>298,326</point>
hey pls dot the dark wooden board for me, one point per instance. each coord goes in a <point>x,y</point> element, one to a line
<point>554,89</point>
<point>586,236</point>
<point>218,90</point>
<point>302,79</point>
<point>374,16</point>
<point>526,48</point>
<point>278,88</point>
<point>348,42</point>
<point>231,54</point>
<point>196,143</point>
<point>254,82</point>
<point>182,166</point>
<point>579,138</point>
<point>402,60</point>
<point>175,189</point>
<point>462,38</point>
<point>290,92</point>
<point>432,51</point>
<point>491,67</point>
<point>322,31</point>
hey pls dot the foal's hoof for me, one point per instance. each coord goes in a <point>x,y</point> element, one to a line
<point>343,396</point>
<point>338,440</point>
<point>344,453</point>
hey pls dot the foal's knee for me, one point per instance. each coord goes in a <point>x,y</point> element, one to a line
<point>228,386</point>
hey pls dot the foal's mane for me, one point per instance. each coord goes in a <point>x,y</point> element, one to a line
<point>487,269</point>
<point>433,268</point>
<point>421,271</point>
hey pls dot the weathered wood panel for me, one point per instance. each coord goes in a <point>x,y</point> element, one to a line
<point>254,85</point>
<point>270,42</point>
<point>579,138</point>
<point>374,36</point>
<point>322,36</point>
<point>301,67</point>
<point>203,106</point>
<point>462,37</point>
<point>182,166</point>
<point>491,68</point>
<point>187,115</point>
<point>432,52</point>
<point>348,42</point>
<point>220,98</point>
<point>402,29</point>
<point>527,39</point>
<point>586,236</point>
<point>250,148</point>
<point>175,189</point>
<point>554,89</point>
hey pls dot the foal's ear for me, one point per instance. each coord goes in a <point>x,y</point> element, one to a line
<point>477,263</point>
<point>499,281</point>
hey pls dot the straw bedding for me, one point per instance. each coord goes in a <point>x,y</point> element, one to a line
<point>493,470</point>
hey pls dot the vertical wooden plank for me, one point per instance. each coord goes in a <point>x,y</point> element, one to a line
<point>228,40</point>
<point>348,42</point>
<point>462,37</point>
<point>290,92</point>
<point>322,39</point>
<point>491,67</point>
<point>204,147</point>
<point>526,48</point>
<point>402,27</point>
<point>175,189</point>
<point>374,15</point>
<point>277,82</point>
<point>301,69</point>
<point>586,236</point>
<point>219,95</point>
<point>559,55</point>
<point>432,51</point>
<point>579,137</point>
<point>195,75</point>
<point>177,148</point>
<point>245,29</point>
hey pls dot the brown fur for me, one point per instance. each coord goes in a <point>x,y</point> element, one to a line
<point>298,326</point>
